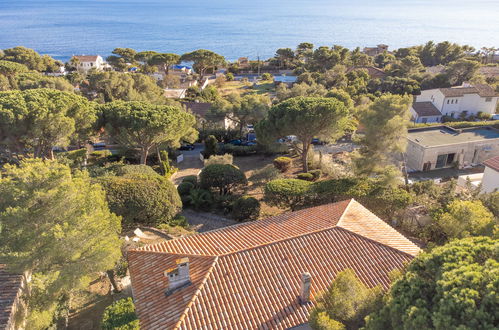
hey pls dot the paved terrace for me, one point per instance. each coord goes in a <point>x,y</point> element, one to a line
<point>443,135</point>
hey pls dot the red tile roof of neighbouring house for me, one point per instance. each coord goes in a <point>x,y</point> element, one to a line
<point>493,163</point>
<point>481,89</point>
<point>424,109</point>
<point>10,291</point>
<point>247,276</point>
<point>198,108</point>
<point>371,70</point>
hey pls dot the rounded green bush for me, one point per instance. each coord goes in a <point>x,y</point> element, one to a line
<point>288,193</point>
<point>120,315</point>
<point>246,208</point>
<point>185,188</point>
<point>191,179</point>
<point>223,177</point>
<point>305,176</point>
<point>282,163</point>
<point>142,199</point>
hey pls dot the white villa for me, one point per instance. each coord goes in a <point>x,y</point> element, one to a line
<point>84,63</point>
<point>455,102</point>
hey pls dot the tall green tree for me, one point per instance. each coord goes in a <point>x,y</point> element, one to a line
<point>10,70</point>
<point>450,287</point>
<point>31,59</point>
<point>145,126</point>
<point>347,301</point>
<point>305,117</point>
<point>113,86</point>
<point>165,60</point>
<point>385,129</point>
<point>203,59</point>
<point>57,226</point>
<point>35,120</point>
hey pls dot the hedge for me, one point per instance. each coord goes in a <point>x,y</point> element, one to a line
<point>459,124</point>
<point>305,176</point>
<point>192,179</point>
<point>223,177</point>
<point>141,199</point>
<point>120,315</point>
<point>246,208</point>
<point>240,150</point>
<point>282,163</point>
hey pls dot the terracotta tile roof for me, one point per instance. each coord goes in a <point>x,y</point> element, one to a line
<point>248,276</point>
<point>493,163</point>
<point>10,291</point>
<point>198,108</point>
<point>371,70</point>
<point>86,58</point>
<point>425,109</point>
<point>480,89</point>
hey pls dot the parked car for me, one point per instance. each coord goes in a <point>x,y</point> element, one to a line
<point>99,146</point>
<point>316,141</point>
<point>495,117</point>
<point>187,146</point>
<point>236,142</point>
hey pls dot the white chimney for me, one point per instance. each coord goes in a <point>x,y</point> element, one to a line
<point>305,288</point>
<point>178,277</point>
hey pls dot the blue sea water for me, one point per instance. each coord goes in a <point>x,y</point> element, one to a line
<point>237,28</point>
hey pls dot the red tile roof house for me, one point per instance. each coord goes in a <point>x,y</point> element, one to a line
<point>262,274</point>
<point>12,310</point>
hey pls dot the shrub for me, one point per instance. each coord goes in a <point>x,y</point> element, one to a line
<point>239,150</point>
<point>199,199</point>
<point>222,159</point>
<point>120,315</point>
<point>287,193</point>
<point>74,158</point>
<point>191,179</point>
<point>246,208</point>
<point>305,176</point>
<point>282,163</point>
<point>179,220</point>
<point>273,148</point>
<point>210,146</point>
<point>166,168</point>
<point>185,188</point>
<point>143,199</point>
<point>225,203</point>
<point>98,157</point>
<point>223,177</point>
<point>316,174</point>
<point>267,76</point>
<point>229,76</point>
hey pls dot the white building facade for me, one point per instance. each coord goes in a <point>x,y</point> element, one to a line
<point>85,63</point>
<point>463,101</point>
<point>490,180</point>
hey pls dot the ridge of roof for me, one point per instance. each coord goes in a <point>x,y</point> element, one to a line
<point>175,246</point>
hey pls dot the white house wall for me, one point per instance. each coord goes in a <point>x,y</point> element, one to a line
<point>490,180</point>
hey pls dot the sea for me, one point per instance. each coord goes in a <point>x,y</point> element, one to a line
<point>237,28</point>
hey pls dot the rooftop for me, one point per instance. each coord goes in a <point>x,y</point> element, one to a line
<point>247,276</point>
<point>86,58</point>
<point>481,89</point>
<point>424,109</point>
<point>444,135</point>
<point>493,163</point>
<point>10,288</point>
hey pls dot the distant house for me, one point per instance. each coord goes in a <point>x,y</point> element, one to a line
<point>490,181</point>
<point>374,51</point>
<point>205,119</point>
<point>462,101</point>
<point>373,72</point>
<point>243,63</point>
<point>174,93</point>
<point>439,147</point>
<point>180,69</point>
<point>262,274</point>
<point>12,309</point>
<point>425,112</point>
<point>84,63</point>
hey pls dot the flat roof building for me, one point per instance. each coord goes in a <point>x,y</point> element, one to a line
<point>442,147</point>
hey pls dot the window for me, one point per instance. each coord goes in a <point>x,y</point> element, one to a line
<point>445,160</point>
<point>425,120</point>
<point>488,99</point>
<point>448,101</point>
<point>456,101</point>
